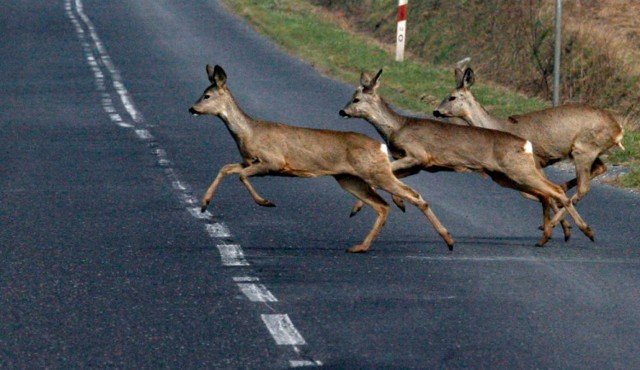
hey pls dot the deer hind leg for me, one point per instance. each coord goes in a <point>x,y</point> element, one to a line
<point>566,226</point>
<point>548,189</point>
<point>359,204</point>
<point>367,195</point>
<point>547,227</point>
<point>394,186</point>
<point>535,184</point>
<point>401,168</point>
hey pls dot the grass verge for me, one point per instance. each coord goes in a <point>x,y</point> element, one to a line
<point>321,39</point>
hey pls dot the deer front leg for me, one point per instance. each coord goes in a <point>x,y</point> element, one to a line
<point>253,170</point>
<point>597,168</point>
<point>244,172</point>
<point>587,167</point>
<point>224,171</point>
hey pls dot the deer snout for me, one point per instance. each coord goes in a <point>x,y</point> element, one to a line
<point>194,112</point>
<point>344,114</point>
<point>438,114</point>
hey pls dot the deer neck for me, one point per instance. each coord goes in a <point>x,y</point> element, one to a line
<point>479,117</point>
<point>237,121</point>
<point>385,120</point>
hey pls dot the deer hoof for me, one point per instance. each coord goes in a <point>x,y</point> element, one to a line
<point>358,249</point>
<point>204,206</point>
<point>266,203</point>
<point>356,208</point>
<point>543,241</point>
<point>449,240</point>
<point>399,203</point>
<point>588,232</point>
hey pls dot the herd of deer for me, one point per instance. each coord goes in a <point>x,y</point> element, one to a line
<point>510,151</point>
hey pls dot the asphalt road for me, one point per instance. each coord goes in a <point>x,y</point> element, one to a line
<point>104,263</point>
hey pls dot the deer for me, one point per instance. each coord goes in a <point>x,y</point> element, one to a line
<point>423,144</point>
<point>359,163</point>
<point>571,131</point>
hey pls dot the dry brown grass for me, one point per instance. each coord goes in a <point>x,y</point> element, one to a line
<point>511,43</point>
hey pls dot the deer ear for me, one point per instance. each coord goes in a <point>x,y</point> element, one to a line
<point>375,83</point>
<point>459,75</point>
<point>469,78</point>
<point>210,70</point>
<point>365,79</point>
<point>219,76</point>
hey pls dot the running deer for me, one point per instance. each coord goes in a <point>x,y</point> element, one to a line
<point>423,144</point>
<point>570,131</point>
<point>358,162</point>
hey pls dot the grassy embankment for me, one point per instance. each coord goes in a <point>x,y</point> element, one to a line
<point>328,43</point>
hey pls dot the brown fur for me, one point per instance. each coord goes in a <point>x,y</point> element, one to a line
<point>571,131</point>
<point>356,161</point>
<point>425,144</point>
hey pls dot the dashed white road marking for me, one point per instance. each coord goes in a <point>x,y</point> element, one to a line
<point>144,134</point>
<point>279,325</point>
<point>218,230</point>
<point>240,279</point>
<point>196,213</point>
<point>232,255</point>
<point>257,292</point>
<point>304,363</point>
<point>282,329</point>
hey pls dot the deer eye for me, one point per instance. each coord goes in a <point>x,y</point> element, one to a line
<point>207,96</point>
<point>356,100</point>
<point>452,98</point>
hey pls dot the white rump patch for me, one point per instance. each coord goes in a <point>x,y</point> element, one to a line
<point>528,148</point>
<point>384,149</point>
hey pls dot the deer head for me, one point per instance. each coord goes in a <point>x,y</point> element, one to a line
<point>365,100</point>
<point>460,102</point>
<point>215,97</point>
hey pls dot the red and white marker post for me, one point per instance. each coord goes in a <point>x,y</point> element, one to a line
<point>402,29</point>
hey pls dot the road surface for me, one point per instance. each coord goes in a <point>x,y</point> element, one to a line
<point>105,261</point>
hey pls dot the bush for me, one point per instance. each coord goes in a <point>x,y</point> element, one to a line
<point>511,43</point>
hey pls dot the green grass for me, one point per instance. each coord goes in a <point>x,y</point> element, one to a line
<point>309,33</point>
<point>302,30</point>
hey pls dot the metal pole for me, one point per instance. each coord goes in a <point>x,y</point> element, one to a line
<point>556,61</point>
